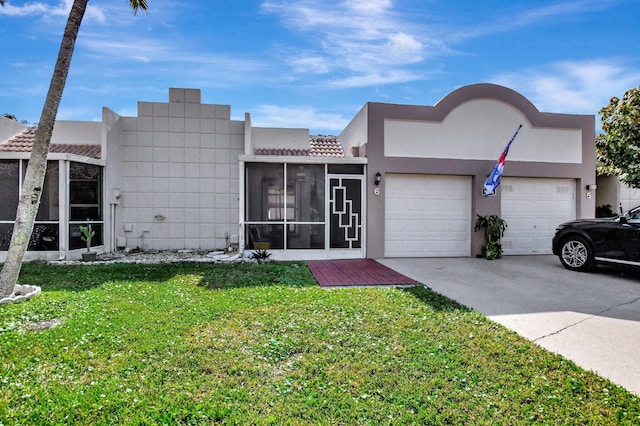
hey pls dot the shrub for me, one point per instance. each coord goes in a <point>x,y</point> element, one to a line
<point>494,228</point>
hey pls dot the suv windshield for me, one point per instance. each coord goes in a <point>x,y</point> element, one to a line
<point>633,214</point>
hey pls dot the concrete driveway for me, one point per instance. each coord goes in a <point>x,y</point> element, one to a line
<point>591,318</point>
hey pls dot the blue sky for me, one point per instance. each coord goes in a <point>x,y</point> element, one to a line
<point>315,63</point>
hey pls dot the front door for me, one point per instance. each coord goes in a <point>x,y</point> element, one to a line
<point>346,216</point>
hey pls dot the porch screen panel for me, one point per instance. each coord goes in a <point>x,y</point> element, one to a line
<point>49,209</point>
<point>10,184</point>
<point>305,206</point>
<point>46,227</point>
<point>45,234</point>
<point>265,205</point>
<point>285,206</point>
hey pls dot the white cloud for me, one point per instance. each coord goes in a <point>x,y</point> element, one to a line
<point>131,48</point>
<point>572,87</point>
<point>48,12</point>
<point>28,9</point>
<point>404,48</point>
<point>359,36</point>
<point>369,6</point>
<point>511,18</point>
<point>143,56</point>
<point>564,8</point>
<point>127,112</point>
<point>376,79</point>
<point>312,64</point>
<point>278,116</point>
<point>72,113</point>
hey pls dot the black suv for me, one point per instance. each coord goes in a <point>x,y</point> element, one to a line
<point>581,244</point>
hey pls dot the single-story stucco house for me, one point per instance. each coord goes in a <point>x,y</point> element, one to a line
<point>399,181</point>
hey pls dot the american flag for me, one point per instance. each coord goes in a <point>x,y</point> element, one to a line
<point>493,180</point>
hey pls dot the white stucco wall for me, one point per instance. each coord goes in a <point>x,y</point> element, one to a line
<point>9,128</point>
<point>629,197</point>
<point>480,129</point>
<point>262,137</point>
<point>77,132</point>
<point>179,174</point>
<point>356,133</point>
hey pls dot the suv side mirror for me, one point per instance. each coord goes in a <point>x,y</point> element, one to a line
<point>623,220</point>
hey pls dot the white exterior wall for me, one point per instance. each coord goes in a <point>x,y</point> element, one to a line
<point>9,128</point>
<point>262,137</point>
<point>629,198</point>
<point>77,133</point>
<point>355,134</point>
<point>479,130</point>
<point>617,194</point>
<point>178,170</point>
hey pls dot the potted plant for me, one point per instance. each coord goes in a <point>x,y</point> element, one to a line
<point>261,256</point>
<point>87,236</point>
<point>494,228</point>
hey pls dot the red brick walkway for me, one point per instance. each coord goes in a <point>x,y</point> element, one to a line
<point>355,272</point>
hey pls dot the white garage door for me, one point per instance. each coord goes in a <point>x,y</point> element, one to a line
<point>427,216</point>
<point>533,208</point>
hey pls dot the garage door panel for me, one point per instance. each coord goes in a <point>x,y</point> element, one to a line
<point>533,208</point>
<point>427,216</point>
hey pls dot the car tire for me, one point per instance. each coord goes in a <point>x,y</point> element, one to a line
<point>576,254</point>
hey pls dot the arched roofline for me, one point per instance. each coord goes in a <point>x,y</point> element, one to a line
<point>494,91</point>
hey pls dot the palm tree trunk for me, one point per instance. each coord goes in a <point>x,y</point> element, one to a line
<point>37,168</point>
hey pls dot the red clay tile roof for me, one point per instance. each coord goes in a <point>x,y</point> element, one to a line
<point>325,146</point>
<point>319,146</point>
<point>24,142</point>
<point>281,151</point>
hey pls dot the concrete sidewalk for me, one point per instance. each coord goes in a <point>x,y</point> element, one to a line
<point>591,318</point>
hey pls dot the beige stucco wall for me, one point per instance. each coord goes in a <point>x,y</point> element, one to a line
<point>477,130</point>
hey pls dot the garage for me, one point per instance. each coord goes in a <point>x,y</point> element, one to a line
<point>533,208</point>
<point>427,215</point>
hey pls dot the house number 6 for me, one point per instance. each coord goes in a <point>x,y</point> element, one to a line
<point>376,191</point>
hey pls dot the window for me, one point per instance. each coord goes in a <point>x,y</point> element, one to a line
<point>285,206</point>
<point>85,203</point>
<point>346,169</point>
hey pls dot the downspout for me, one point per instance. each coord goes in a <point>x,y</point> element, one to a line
<point>112,227</point>
<point>63,209</point>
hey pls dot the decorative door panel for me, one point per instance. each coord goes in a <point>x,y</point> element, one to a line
<point>345,212</point>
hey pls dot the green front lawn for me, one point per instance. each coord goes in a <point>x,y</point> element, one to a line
<point>262,344</point>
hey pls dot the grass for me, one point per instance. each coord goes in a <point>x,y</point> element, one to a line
<point>262,344</point>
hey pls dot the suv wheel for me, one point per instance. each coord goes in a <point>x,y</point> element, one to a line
<point>576,254</point>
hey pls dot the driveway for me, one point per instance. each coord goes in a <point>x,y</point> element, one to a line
<point>592,319</point>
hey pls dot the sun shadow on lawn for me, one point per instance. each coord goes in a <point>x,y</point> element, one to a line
<point>435,300</point>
